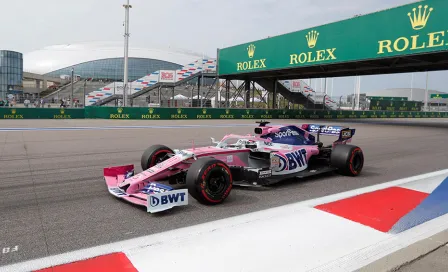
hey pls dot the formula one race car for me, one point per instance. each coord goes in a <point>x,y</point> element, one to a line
<point>273,154</point>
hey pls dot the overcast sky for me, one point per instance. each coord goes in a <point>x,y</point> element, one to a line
<point>196,25</point>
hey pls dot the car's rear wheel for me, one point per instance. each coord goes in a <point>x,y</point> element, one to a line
<point>209,181</point>
<point>348,159</point>
<point>153,155</point>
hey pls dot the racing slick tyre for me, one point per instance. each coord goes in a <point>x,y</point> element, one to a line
<point>349,159</point>
<point>209,181</point>
<point>153,155</point>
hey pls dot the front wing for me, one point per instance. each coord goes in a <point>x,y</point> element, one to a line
<point>155,197</point>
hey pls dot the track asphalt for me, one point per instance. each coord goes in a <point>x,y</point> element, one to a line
<point>53,198</point>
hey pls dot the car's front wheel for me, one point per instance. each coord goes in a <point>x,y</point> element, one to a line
<point>153,155</point>
<point>209,181</point>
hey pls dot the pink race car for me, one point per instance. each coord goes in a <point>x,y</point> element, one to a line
<point>273,154</point>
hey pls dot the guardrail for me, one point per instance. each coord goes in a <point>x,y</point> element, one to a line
<point>144,113</point>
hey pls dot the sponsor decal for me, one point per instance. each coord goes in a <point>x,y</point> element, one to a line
<point>227,115</point>
<point>179,115</point>
<point>275,162</point>
<point>264,173</point>
<point>229,158</point>
<point>247,115</point>
<point>117,191</point>
<point>151,114</point>
<point>346,134</point>
<point>418,17</point>
<point>129,174</point>
<point>204,115</point>
<point>292,161</point>
<point>313,56</point>
<point>120,115</point>
<point>62,115</point>
<point>286,133</point>
<point>156,188</point>
<point>326,129</point>
<point>167,76</point>
<point>251,64</point>
<point>167,200</point>
<point>13,115</point>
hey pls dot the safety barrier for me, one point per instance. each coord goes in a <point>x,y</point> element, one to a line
<point>200,113</point>
<point>41,113</point>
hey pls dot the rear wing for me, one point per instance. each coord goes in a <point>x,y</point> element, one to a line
<point>344,133</point>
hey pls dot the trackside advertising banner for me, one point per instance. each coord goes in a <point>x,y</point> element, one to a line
<point>202,113</point>
<point>167,76</point>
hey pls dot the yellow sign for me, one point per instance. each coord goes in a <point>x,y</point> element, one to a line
<point>251,51</point>
<point>419,18</point>
<point>227,115</point>
<point>309,57</point>
<point>418,21</point>
<point>120,115</point>
<point>62,115</point>
<point>179,115</point>
<point>247,115</point>
<point>151,115</point>
<point>204,115</point>
<point>251,64</point>
<point>13,115</point>
<point>264,116</point>
<point>311,38</point>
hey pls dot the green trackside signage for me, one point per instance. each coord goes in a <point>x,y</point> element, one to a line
<point>439,96</point>
<point>38,113</point>
<point>415,28</point>
<point>134,113</point>
<point>388,98</point>
<point>391,105</point>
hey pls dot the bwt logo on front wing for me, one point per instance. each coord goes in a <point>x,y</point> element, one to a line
<point>167,200</point>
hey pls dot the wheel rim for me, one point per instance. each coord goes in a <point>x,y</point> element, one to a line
<point>216,184</point>
<point>158,157</point>
<point>357,162</point>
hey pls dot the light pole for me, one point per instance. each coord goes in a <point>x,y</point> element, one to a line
<point>126,51</point>
<point>426,91</point>
<point>84,96</point>
<point>73,80</point>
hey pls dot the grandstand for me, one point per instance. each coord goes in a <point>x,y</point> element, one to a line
<point>100,67</point>
<point>193,70</point>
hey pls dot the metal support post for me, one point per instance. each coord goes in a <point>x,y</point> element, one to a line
<point>247,93</point>
<point>84,96</point>
<point>199,88</point>
<point>126,51</point>
<point>253,94</point>
<point>73,81</point>
<point>160,96</point>
<point>426,91</point>
<point>325,86</point>
<point>172,93</point>
<point>274,96</point>
<point>227,92</point>
<point>359,93</point>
